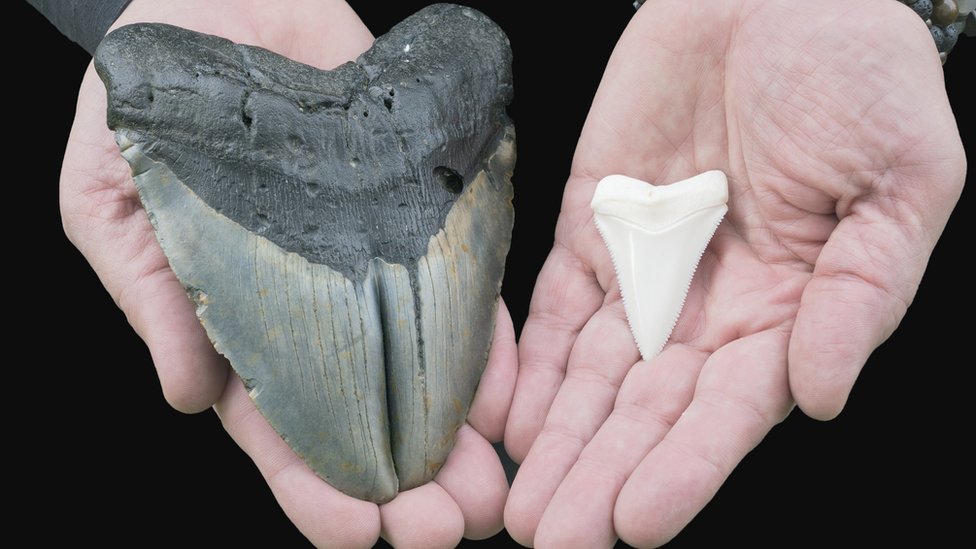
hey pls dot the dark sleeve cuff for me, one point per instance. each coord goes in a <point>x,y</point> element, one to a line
<point>83,21</point>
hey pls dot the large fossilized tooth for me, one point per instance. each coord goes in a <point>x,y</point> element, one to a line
<point>343,233</point>
<point>656,236</point>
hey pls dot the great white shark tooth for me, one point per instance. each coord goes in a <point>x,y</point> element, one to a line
<point>343,233</point>
<point>656,235</point>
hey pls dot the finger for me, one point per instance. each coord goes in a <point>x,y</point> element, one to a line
<point>489,410</point>
<point>327,517</point>
<point>565,297</point>
<point>652,397</point>
<point>603,354</point>
<point>865,278</point>
<point>891,216</point>
<point>192,374</point>
<point>103,217</point>
<point>474,478</point>
<point>424,517</point>
<point>742,393</point>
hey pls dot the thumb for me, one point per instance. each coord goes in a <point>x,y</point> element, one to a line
<point>863,282</point>
<point>103,218</point>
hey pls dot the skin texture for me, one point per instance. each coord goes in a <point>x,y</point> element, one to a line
<point>844,162</point>
<point>103,217</point>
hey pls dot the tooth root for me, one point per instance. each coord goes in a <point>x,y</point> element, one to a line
<point>656,236</point>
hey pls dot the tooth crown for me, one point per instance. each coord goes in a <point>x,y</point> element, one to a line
<point>343,233</point>
<point>656,236</point>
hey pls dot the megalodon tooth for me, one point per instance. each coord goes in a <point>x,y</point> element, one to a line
<point>656,235</point>
<point>343,233</point>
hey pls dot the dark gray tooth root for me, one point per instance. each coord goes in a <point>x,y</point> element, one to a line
<point>343,233</point>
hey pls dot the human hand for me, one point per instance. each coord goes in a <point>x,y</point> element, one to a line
<point>844,163</point>
<point>103,217</point>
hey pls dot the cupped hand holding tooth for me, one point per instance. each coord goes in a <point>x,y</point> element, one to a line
<point>844,162</point>
<point>103,217</point>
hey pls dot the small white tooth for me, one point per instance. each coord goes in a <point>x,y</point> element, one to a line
<point>656,236</point>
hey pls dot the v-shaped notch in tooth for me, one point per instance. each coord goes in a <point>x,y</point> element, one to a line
<point>656,236</point>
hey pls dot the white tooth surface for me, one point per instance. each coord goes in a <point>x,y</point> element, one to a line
<point>656,235</point>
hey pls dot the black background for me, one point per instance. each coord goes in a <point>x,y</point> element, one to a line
<point>94,454</point>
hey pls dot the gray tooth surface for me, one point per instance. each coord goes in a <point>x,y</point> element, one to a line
<point>343,233</point>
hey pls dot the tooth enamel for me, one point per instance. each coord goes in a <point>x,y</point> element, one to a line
<point>656,236</point>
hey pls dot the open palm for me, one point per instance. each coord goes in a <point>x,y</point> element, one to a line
<point>844,162</point>
<point>104,218</point>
